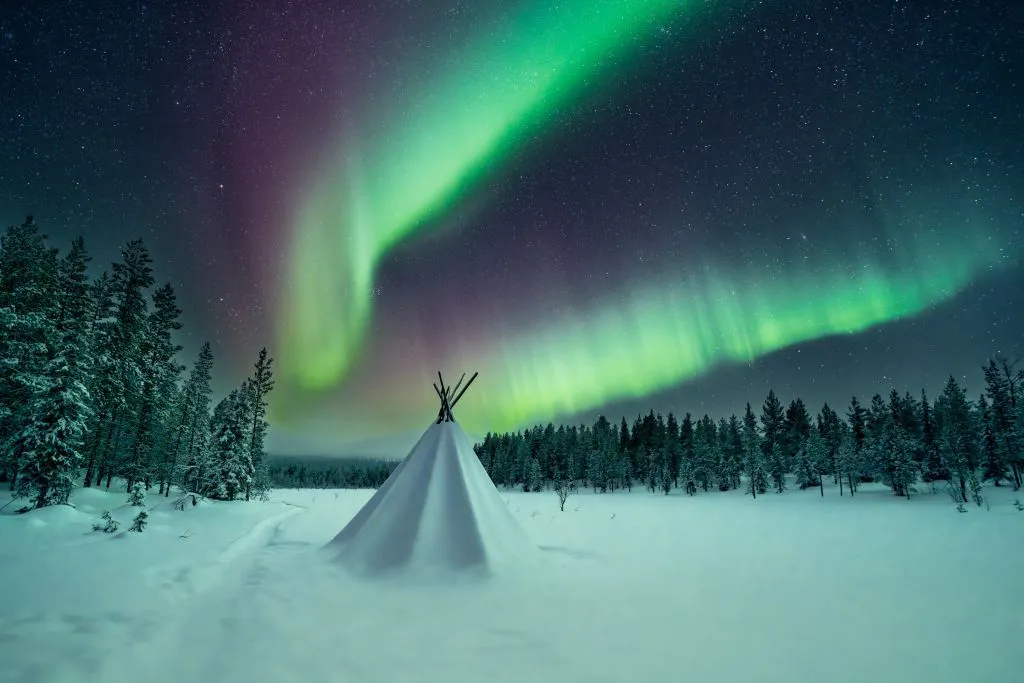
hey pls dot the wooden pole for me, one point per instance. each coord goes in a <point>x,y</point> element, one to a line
<point>452,405</point>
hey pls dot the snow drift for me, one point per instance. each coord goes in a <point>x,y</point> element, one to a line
<point>437,512</point>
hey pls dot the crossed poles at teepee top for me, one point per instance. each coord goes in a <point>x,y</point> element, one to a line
<point>446,393</point>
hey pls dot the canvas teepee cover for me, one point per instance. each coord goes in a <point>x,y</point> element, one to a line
<point>438,511</point>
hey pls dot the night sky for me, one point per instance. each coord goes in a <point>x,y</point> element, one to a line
<point>601,205</point>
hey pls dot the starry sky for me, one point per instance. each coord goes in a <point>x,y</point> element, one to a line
<point>600,205</point>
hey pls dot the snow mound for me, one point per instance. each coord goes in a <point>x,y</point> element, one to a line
<point>437,513</point>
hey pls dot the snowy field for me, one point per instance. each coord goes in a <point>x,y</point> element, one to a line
<point>629,587</point>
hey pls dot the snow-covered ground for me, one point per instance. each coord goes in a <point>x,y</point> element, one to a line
<point>628,587</point>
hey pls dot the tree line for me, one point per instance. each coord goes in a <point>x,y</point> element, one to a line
<point>900,440</point>
<point>298,472</point>
<point>91,389</point>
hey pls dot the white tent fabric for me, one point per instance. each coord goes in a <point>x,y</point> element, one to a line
<point>438,511</point>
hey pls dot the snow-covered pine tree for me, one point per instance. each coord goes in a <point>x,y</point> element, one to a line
<point>140,522</point>
<point>724,466</point>
<point>191,451</point>
<point>734,452</point>
<point>816,451</point>
<point>804,468</point>
<point>796,427</point>
<point>830,426</point>
<point>673,449</point>
<point>51,442</point>
<point>1003,385</point>
<point>932,468</point>
<point>137,495</point>
<point>104,387</point>
<point>753,455</point>
<point>533,477</point>
<point>687,455</point>
<point>259,387</point>
<point>706,461</point>
<point>857,419</point>
<point>132,276</point>
<point>29,272</point>
<point>229,447</point>
<point>958,442</point>
<point>900,469</point>
<point>772,424</point>
<point>158,372</point>
<point>993,465</point>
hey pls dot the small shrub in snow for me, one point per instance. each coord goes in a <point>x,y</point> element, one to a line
<point>106,524</point>
<point>960,507</point>
<point>1017,504</point>
<point>137,496</point>
<point>140,521</point>
<point>564,487</point>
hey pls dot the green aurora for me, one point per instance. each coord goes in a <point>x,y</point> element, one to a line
<point>458,126</point>
<point>655,336</point>
<point>425,156</point>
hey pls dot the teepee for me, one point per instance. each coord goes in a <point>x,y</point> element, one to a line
<point>437,512</point>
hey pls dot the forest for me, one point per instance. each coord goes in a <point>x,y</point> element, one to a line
<point>899,440</point>
<point>324,472</point>
<point>92,389</point>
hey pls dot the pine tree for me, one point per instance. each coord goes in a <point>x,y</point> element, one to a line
<point>137,495</point>
<point>830,427</point>
<point>857,418</point>
<point>229,447</point>
<point>140,522</point>
<point>995,469</point>
<point>51,442</point>
<point>28,299</point>
<point>772,423</point>
<point>673,449</point>
<point>132,276</point>
<point>259,387</point>
<point>687,456</point>
<point>899,471</point>
<point>194,420</point>
<point>847,461</point>
<point>796,428</point>
<point>932,468</point>
<point>103,388</point>
<point>1003,382</point>
<point>958,442</point>
<point>754,455</point>
<point>159,374</point>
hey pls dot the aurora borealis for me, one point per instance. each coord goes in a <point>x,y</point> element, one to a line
<point>609,205</point>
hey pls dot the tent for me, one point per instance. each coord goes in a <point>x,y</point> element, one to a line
<point>438,512</point>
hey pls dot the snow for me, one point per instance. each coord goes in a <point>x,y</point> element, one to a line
<point>438,512</point>
<point>629,587</point>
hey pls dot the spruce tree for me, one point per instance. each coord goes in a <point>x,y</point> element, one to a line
<point>754,455</point>
<point>772,423</point>
<point>132,276</point>
<point>687,455</point>
<point>932,467</point>
<point>29,273</point>
<point>159,373</point>
<point>992,462</point>
<point>51,442</point>
<point>958,442</point>
<point>1003,381</point>
<point>260,384</point>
